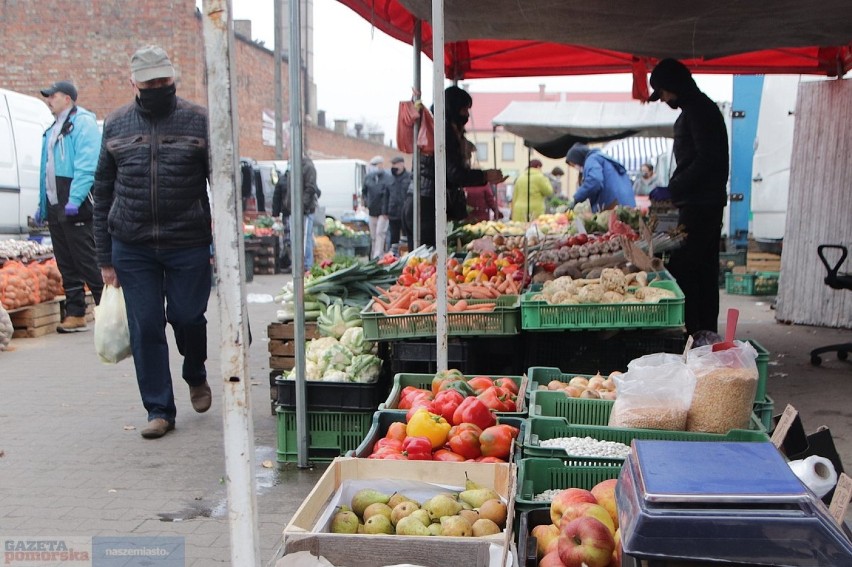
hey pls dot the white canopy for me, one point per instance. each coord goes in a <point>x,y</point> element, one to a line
<point>545,121</point>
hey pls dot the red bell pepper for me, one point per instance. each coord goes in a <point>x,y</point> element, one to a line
<point>407,401</point>
<point>490,460</point>
<point>447,456</point>
<point>445,403</point>
<point>480,383</point>
<point>417,448</point>
<point>497,441</point>
<point>420,402</point>
<point>464,440</point>
<point>396,430</point>
<point>389,455</point>
<point>508,384</point>
<point>496,400</point>
<point>472,410</point>
<point>390,443</point>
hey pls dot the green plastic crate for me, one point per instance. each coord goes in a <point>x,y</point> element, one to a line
<point>540,376</point>
<point>535,475</point>
<point>756,283</point>
<point>504,320</point>
<point>580,411</point>
<point>765,411</point>
<point>762,371</point>
<point>383,419</point>
<point>540,315</point>
<point>330,434</point>
<point>540,428</point>
<point>401,381</point>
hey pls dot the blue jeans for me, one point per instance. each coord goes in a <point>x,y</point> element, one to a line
<point>308,224</point>
<point>181,277</point>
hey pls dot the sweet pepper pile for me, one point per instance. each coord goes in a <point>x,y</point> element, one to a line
<point>487,267</point>
<point>429,437</point>
<point>451,390</point>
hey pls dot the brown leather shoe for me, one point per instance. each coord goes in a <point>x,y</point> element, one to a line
<point>156,428</point>
<point>72,325</point>
<point>201,397</point>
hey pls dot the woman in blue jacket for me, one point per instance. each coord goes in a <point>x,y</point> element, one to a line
<point>605,181</point>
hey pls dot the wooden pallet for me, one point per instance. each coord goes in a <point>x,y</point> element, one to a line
<point>763,262</point>
<point>282,346</point>
<point>35,320</point>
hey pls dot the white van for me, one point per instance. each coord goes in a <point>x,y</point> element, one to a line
<point>339,180</point>
<point>23,120</point>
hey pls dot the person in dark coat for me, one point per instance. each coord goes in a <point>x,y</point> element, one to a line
<point>459,174</point>
<point>375,195</point>
<point>401,179</point>
<point>153,232</point>
<point>698,188</point>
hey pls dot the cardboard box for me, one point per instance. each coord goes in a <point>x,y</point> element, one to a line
<point>436,550</point>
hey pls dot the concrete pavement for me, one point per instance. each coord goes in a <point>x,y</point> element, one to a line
<point>73,462</point>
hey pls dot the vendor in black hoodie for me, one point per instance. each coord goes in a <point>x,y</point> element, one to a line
<point>697,188</point>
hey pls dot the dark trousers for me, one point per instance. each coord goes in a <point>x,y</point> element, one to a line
<point>695,266</point>
<point>181,278</point>
<point>74,250</point>
<point>427,219</point>
<point>394,228</point>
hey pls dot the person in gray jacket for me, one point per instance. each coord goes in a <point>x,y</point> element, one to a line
<point>375,194</point>
<point>153,232</point>
<point>396,200</point>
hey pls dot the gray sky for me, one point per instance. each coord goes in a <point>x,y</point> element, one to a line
<point>362,74</point>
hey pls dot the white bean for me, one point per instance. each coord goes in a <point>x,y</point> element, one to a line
<point>588,447</point>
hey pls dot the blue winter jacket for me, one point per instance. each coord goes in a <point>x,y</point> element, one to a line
<point>605,181</point>
<point>75,158</point>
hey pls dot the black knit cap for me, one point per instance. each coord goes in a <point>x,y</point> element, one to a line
<point>456,98</point>
<point>671,75</point>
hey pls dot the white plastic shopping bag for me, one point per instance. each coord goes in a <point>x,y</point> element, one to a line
<point>112,335</point>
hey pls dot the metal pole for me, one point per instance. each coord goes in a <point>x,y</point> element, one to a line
<point>279,87</point>
<point>297,227</point>
<point>415,160</point>
<point>440,176</point>
<point>230,253</point>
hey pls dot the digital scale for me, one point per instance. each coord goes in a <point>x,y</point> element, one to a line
<point>723,502</point>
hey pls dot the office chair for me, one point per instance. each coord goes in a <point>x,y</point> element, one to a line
<point>834,280</point>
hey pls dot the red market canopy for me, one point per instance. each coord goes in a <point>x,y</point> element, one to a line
<point>506,38</point>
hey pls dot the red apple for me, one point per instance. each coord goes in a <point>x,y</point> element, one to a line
<point>566,498</point>
<point>551,560</point>
<point>585,541</point>
<point>546,538</point>
<point>604,493</point>
<point>580,509</point>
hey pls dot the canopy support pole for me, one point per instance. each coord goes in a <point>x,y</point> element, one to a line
<point>440,177</point>
<point>230,291</point>
<point>415,160</point>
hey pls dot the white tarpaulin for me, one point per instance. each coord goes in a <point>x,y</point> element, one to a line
<point>541,122</point>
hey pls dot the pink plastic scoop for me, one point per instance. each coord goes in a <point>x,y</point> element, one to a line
<point>730,331</point>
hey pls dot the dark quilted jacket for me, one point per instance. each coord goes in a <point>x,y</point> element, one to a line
<point>151,183</point>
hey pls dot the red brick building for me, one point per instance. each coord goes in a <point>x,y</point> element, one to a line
<point>90,43</point>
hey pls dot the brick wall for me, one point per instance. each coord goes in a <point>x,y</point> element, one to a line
<point>90,43</point>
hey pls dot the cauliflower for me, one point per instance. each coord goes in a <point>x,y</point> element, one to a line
<point>336,376</point>
<point>592,293</point>
<point>353,339</point>
<point>613,279</point>
<point>336,357</point>
<point>365,368</point>
<point>317,347</point>
<point>313,371</point>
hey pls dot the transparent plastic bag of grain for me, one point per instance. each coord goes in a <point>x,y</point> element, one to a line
<point>726,382</point>
<point>654,393</point>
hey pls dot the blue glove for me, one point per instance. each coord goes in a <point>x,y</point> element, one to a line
<point>660,194</point>
<point>38,218</point>
<point>71,210</point>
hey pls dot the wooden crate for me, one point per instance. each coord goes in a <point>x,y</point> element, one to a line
<point>35,320</point>
<point>288,330</point>
<point>763,262</point>
<point>282,362</point>
<point>282,347</point>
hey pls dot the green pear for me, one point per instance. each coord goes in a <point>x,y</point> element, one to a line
<point>344,522</point>
<point>398,498</point>
<point>361,529</point>
<point>365,497</point>
<point>485,527</point>
<point>378,524</point>
<point>477,496</point>
<point>377,508</point>
<point>440,506</point>
<point>434,529</point>
<point>456,526</point>
<point>402,510</point>
<point>411,526</point>
<point>469,484</point>
<point>421,516</point>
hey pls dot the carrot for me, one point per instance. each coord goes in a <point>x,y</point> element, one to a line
<point>430,308</point>
<point>397,311</point>
<point>460,305</point>
<point>379,307</point>
<point>482,307</point>
<point>417,306</point>
<point>402,301</point>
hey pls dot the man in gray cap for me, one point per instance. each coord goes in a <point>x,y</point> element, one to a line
<point>400,180</point>
<point>153,231</point>
<point>697,188</point>
<point>69,155</point>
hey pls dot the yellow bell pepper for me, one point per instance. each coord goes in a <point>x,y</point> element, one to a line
<point>471,276</point>
<point>426,424</point>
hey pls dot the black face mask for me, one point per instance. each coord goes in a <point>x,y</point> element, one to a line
<point>460,120</point>
<point>158,101</point>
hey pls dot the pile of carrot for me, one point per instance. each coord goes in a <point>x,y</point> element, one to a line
<point>401,300</point>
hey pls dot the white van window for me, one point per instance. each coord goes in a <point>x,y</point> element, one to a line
<point>5,143</point>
